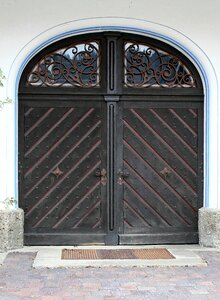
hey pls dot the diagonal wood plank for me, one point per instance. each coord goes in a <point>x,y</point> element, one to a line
<point>157,135</point>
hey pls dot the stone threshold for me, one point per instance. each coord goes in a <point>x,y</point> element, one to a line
<point>50,257</point>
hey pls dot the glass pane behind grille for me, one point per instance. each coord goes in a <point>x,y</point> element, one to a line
<point>75,65</point>
<point>146,66</point>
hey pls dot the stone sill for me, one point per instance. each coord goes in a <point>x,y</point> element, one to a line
<point>209,227</point>
<point>11,229</point>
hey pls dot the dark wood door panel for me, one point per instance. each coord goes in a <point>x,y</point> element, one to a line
<point>162,154</point>
<point>143,208</point>
<point>47,123</point>
<point>154,185</point>
<point>182,124</point>
<point>62,150</point>
<point>156,164</point>
<point>174,153</point>
<point>47,141</point>
<point>68,159</point>
<point>159,146</point>
<point>64,192</point>
<point>158,201</point>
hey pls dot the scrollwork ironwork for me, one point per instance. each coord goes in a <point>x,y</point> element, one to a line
<point>75,65</point>
<point>145,66</point>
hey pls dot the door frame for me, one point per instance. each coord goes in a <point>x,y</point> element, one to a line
<point>145,28</point>
<point>112,43</point>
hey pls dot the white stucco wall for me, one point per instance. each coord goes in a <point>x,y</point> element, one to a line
<point>24,25</point>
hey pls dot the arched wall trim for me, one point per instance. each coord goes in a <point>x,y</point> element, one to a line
<point>145,28</point>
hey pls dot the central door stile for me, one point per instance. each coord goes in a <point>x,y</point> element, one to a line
<point>113,64</point>
<point>112,223</point>
<point>111,169</point>
<point>111,99</point>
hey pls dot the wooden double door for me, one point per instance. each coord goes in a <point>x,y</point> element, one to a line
<point>109,167</point>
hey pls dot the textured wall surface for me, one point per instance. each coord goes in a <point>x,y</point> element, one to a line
<point>11,229</point>
<point>209,227</point>
<point>23,23</point>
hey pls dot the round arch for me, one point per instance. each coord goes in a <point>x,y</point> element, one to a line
<point>145,28</point>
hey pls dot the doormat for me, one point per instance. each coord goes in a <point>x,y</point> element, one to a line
<point>94,254</point>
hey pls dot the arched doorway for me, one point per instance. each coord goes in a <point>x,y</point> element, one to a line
<point>111,143</point>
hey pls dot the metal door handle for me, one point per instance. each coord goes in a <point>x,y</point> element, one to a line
<point>122,175</point>
<point>102,174</point>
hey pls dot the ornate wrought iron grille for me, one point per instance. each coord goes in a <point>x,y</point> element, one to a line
<point>146,66</point>
<point>75,65</point>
